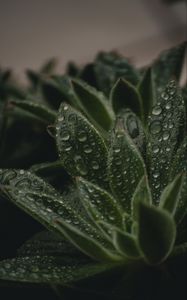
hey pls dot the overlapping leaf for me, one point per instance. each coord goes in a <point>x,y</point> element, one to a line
<point>124,95</point>
<point>40,111</point>
<point>40,200</point>
<point>48,269</point>
<point>81,148</point>
<point>94,105</point>
<point>166,129</point>
<point>169,65</point>
<point>125,167</point>
<point>156,233</point>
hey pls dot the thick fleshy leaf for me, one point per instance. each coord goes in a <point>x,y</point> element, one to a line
<point>109,67</point>
<point>81,148</point>
<point>125,243</point>
<point>47,168</point>
<point>86,244</point>
<point>59,89</point>
<point>156,233</point>
<point>51,244</point>
<point>146,89</point>
<point>171,194</point>
<point>134,128</point>
<point>166,128</point>
<point>48,269</point>
<point>99,203</point>
<point>141,194</point>
<point>40,200</point>
<point>169,65</point>
<point>180,166</point>
<point>94,105</point>
<point>38,110</point>
<point>125,95</point>
<point>125,167</point>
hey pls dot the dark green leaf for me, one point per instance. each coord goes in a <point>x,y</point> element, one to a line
<point>125,243</point>
<point>169,65</point>
<point>40,200</point>
<point>166,129</point>
<point>146,89</point>
<point>156,233</point>
<point>171,194</point>
<point>125,167</point>
<point>94,104</point>
<point>48,269</point>
<point>81,148</point>
<point>51,244</point>
<point>134,128</point>
<point>99,203</point>
<point>141,194</point>
<point>125,95</point>
<point>109,67</point>
<point>40,111</point>
<point>86,244</point>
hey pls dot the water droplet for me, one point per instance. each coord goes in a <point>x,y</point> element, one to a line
<point>165,135</point>
<point>157,110</point>
<point>65,136</point>
<point>168,105</point>
<point>60,119</point>
<point>87,150</point>
<point>155,127</point>
<point>155,149</point>
<point>82,137</point>
<point>117,150</point>
<point>132,127</point>
<point>95,165</point>
<point>165,96</point>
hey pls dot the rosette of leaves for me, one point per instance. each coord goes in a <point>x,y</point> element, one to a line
<point>126,206</point>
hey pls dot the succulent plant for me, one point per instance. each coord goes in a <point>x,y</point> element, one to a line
<point>124,205</point>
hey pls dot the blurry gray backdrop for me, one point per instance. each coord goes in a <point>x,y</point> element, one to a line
<point>34,30</point>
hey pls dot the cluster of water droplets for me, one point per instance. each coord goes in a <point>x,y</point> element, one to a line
<point>164,123</point>
<point>103,205</point>
<point>125,169</point>
<point>39,269</point>
<point>81,149</point>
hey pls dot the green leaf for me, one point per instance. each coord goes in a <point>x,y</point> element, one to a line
<point>59,89</point>
<point>48,243</point>
<point>99,203</point>
<point>48,269</point>
<point>169,65</point>
<point>134,128</point>
<point>171,195</point>
<point>165,130</point>
<point>94,104</point>
<point>146,89</point>
<point>47,168</point>
<point>156,233</point>
<point>86,244</point>
<point>125,167</point>
<point>125,95</point>
<point>40,200</point>
<point>109,67</point>
<point>125,243</point>
<point>38,110</point>
<point>179,165</point>
<point>141,194</point>
<point>81,148</point>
